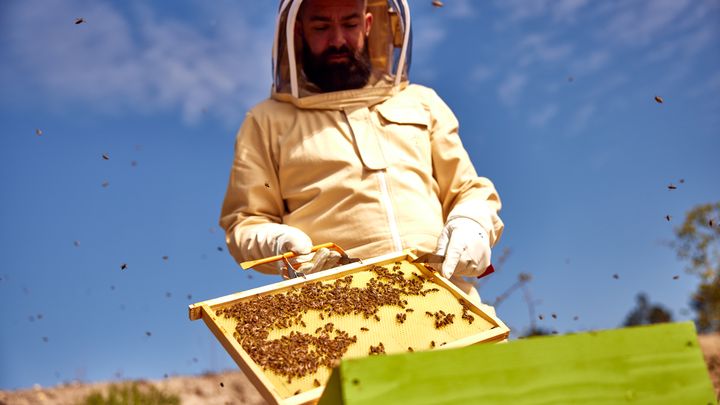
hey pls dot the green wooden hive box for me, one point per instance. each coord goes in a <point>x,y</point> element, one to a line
<point>660,364</point>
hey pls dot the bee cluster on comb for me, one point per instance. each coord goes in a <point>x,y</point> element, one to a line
<point>299,353</point>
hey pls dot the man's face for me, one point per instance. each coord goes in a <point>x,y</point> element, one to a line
<point>334,32</point>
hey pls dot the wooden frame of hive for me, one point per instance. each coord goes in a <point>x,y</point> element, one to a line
<point>395,335</point>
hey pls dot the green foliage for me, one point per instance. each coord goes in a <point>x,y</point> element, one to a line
<point>645,313</point>
<point>131,394</point>
<point>706,303</point>
<point>535,331</point>
<point>698,241</point>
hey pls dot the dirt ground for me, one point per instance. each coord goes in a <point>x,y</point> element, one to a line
<point>236,388</point>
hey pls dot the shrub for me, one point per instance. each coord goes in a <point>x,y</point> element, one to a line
<point>131,394</point>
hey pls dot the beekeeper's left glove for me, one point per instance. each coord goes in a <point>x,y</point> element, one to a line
<point>466,247</point>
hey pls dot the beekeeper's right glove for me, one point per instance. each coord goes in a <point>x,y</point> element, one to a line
<point>277,239</point>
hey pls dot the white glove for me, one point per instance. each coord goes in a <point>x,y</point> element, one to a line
<point>466,247</point>
<point>291,239</point>
<point>323,259</point>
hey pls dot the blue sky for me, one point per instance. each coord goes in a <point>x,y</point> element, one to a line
<point>556,105</point>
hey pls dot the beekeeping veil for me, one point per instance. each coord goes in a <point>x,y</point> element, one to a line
<point>389,46</point>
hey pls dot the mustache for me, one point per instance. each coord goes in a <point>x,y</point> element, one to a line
<point>343,50</point>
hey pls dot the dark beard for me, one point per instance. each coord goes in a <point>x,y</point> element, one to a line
<point>352,74</point>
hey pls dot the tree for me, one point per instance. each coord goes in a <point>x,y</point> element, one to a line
<point>698,242</point>
<point>706,303</point>
<point>646,314</point>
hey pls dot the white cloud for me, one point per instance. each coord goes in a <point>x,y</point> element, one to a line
<point>591,62</point>
<point>566,10</point>
<point>523,9</point>
<point>581,118</point>
<point>460,9</point>
<point>537,47</point>
<point>560,10</point>
<point>633,25</point>
<point>543,116</point>
<point>511,87</point>
<point>710,86</point>
<point>481,73</point>
<point>428,34</point>
<point>145,63</point>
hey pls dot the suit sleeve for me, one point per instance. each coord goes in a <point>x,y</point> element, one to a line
<point>253,195</point>
<point>462,192</point>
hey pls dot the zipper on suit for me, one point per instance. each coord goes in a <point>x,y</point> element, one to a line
<point>392,222</point>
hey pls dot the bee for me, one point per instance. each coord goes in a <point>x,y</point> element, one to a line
<point>106,156</point>
<point>540,317</point>
<point>148,333</point>
<point>616,276</point>
<point>316,383</point>
<point>165,257</point>
<point>437,3</point>
<point>38,131</point>
<point>554,316</point>
<point>222,384</point>
<point>105,184</point>
<point>267,184</point>
<point>676,277</point>
<point>672,186</point>
<point>123,266</point>
<point>659,99</point>
<point>668,217</point>
<point>79,21</point>
<point>76,243</point>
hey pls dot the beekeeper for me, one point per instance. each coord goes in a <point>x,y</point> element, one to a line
<point>346,150</point>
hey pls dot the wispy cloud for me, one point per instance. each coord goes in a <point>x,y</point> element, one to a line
<point>710,86</point>
<point>481,73</point>
<point>590,62</point>
<point>560,10</point>
<point>632,25</point>
<point>460,9</point>
<point>566,10</point>
<point>147,62</point>
<point>543,116</point>
<point>580,120</point>
<point>509,90</point>
<point>538,47</point>
<point>429,33</point>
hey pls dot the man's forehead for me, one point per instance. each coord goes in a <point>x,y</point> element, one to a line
<point>312,8</point>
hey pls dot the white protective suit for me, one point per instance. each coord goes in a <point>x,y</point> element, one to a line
<point>375,170</point>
